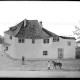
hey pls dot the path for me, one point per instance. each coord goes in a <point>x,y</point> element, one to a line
<point>44,74</point>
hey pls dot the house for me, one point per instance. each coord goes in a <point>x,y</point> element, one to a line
<point>31,40</point>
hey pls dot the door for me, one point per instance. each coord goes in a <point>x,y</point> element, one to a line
<point>60,53</point>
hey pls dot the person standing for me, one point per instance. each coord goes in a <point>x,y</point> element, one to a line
<point>49,65</point>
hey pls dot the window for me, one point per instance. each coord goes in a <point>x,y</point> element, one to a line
<point>69,43</point>
<point>10,37</point>
<point>33,40</point>
<point>21,40</point>
<point>46,40</point>
<point>45,53</point>
<point>55,39</point>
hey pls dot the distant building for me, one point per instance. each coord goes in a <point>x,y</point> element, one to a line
<point>31,40</point>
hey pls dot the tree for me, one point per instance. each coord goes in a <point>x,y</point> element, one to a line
<point>77,52</point>
<point>77,32</point>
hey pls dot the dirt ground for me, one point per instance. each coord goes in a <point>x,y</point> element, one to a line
<point>8,64</point>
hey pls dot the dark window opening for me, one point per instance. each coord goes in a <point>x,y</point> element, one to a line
<point>46,40</point>
<point>55,39</point>
<point>21,40</point>
<point>45,53</point>
<point>33,40</point>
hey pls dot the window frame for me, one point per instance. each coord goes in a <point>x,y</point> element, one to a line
<point>55,39</point>
<point>33,41</point>
<point>45,53</point>
<point>45,41</point>
<point>21,40</point>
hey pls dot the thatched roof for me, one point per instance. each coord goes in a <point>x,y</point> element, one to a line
<point>30,29</point>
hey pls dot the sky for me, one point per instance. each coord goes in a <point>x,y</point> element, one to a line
<point>59,17</point>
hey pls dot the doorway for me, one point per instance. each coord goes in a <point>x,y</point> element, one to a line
<point>60,53</point>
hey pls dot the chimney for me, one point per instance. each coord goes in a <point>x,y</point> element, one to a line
<point>41,24</point>
<point>24,22</point>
